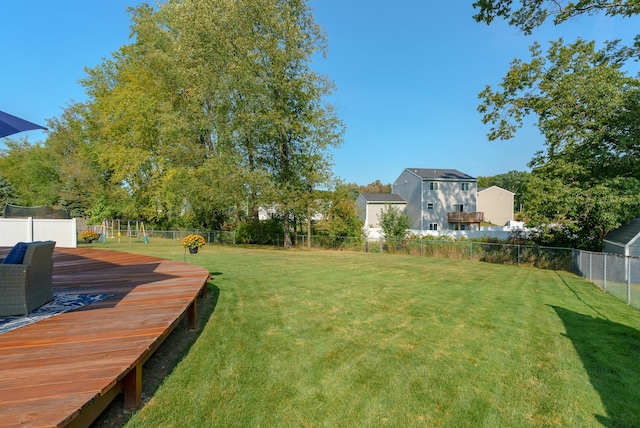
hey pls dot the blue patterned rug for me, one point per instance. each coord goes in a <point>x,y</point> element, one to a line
<point>62,302</point>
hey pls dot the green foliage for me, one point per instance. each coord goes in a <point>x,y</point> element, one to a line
<point>570,214</point>
<point>394,223</point>
<point>32,171</point>
<point>269,234</point>
<point>513,181</point>
<point>376,187</point>
<point>213,107</point>
<point>339,214</point>
<point>7,193</point>
<point>584,184</point>
<point>81,180</point>
<point>530,14</point>
<point>102,209</point>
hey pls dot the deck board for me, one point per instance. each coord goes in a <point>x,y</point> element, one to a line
<point>65,369</point>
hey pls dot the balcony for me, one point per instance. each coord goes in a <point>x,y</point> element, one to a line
<point>465,218</point>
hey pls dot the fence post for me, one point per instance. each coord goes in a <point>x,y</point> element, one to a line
<point>470,250</point>
<point>604,275</point>
<point>580,262</point>
<point>629,281</point>
<point>590,264</point>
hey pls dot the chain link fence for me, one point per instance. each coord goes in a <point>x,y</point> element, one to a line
<point>211,236</point>
<point>502,253</point>
<point>615,274</point>
<point>171,236</point>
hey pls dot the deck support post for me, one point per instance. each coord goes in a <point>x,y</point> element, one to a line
<point>132,387</point>
<point>192,315</point>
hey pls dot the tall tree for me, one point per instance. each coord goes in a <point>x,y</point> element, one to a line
<point>585,182</point>
<point>220,95</point>
<point>32,171</point>
<point>82,181</point>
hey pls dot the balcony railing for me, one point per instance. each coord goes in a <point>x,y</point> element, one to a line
<point>463,217</point>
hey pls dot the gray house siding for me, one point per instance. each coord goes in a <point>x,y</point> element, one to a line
<point>409,186</point>
<point>447,198</point>
<point>429,204</point>
<point>613,248</point>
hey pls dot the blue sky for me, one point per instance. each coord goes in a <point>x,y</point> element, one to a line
<point>407,74</point>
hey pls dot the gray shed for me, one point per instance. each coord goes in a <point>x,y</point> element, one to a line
<point>624,240</point>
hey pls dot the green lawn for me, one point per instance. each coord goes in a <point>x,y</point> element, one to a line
<point>338,339</point>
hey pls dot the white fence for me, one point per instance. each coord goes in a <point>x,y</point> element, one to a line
<point>498,232</point>
<point>14,230</point>
<point>615,274</point>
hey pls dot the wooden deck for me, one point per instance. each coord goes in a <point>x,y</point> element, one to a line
<point>65,370</point>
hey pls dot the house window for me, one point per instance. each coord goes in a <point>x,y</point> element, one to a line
<point>430,206</point>
<point>433,185</point>
<point>433,226</point>
<point>464,187</point>
<point>458,208</point>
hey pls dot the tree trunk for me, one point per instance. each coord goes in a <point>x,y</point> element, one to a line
<point>309,227</point>
<point>255,214</point>
<point>287,229</point>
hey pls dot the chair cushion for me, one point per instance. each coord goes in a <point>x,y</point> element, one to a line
<point>16,255</point>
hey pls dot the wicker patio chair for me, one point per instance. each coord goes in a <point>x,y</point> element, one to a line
<point>27,286</point>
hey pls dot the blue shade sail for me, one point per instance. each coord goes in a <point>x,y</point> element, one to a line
<point>10,124</point>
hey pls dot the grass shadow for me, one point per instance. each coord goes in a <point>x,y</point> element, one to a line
<point>610,353</point>
<point>163,361</point>
<point>564,281</point>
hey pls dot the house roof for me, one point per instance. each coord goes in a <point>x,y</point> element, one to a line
<point>440,174</point>
<point>624,234</point>
<point>382,197</point>
<point>482,189</point>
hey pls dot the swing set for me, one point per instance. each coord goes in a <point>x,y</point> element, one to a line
<point>116,228</point>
